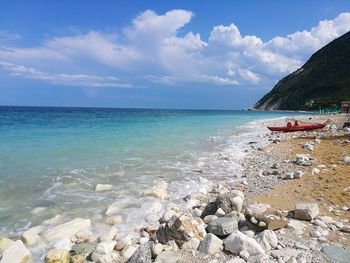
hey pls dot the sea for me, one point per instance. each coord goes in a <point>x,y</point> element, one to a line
<point>51,159</point>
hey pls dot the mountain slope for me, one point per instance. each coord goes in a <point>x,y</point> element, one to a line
<point>322,81</point>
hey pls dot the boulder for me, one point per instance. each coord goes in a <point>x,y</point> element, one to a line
<point>337,254</point>
<point>142,255</point>
<point>306,211</point>
<point>237,241</point>
<point>168,257</point>
<point>103,187</point>
<point>267,239</point>
<point>181,229</point>
<point>159,190</point>
<point>211,244</point>
<point>67,229</point>
<point>15,253</point>
<point>227,202</point>
<point>57,256</point>
<point>222,226</point>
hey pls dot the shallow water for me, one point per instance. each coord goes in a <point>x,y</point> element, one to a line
<point>54,157</point>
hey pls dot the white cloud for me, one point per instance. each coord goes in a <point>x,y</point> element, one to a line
<point>62,79</point>
<point>158,47</point>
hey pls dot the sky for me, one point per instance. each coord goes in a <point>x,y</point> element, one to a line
<point>158,54</point>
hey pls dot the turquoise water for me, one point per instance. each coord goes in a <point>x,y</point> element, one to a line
<point>54,157</point>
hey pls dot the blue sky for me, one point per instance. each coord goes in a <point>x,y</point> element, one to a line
<point>158,54</point>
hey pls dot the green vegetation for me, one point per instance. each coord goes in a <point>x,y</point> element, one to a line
<point>323,81</point>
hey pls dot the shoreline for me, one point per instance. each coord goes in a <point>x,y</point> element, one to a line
<point>245,191</point>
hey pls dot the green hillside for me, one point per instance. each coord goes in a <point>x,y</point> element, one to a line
<point>322,81</point>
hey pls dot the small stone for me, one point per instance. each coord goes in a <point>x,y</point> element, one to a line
<point>220,213</point>
<point>244,254</point>
<point>103,187</point>
<point>222,226</point>
<point>211,244</point>
<point>142,254</point>
<point>143,240</point>
<point>123,242</point>
<point>262,224</point>
<point>110,234</point>
<point>81,236</point>
<point>197,212</point>
<point>298,174</point>
<point>193,244</point>
<point>237,242</point>
<point>128,252</point>
<point>267,239</point>
<point>113,209</point>
<point>168,257</point>
<point>289,175</point>
<point>209,218</point>
<point>157,249</point>
<point>78,259</point>
<point>315,171</point>
<point>158,191</point>
<point>114,220</point>
<point>306,211</point>
<point>318,222</point>
<point>346,159</point>
<point>167,215</point>
<point>83,248</point>
<point>238,203</point>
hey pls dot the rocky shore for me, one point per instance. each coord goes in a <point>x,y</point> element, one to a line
<point>291,205</point>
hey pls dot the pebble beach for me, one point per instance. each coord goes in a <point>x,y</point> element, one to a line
<point>291,204</point>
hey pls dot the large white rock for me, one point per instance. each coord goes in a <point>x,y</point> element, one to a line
<point>267,239</point>
<point>67,229</point>
<point>123,242</point>
<point>16,253</point>
<point>81,236</point>
<point>237,241</point>
<point>211,244</point>
<point>160,190</point>
<point>103,187</point>
<point>306,211</point>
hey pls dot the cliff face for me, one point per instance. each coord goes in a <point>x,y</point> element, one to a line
<point>323,80</point>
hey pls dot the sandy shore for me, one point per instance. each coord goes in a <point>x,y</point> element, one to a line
<point>258,218</point>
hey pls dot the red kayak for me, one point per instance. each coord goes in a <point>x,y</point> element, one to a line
<point>293,128</point>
